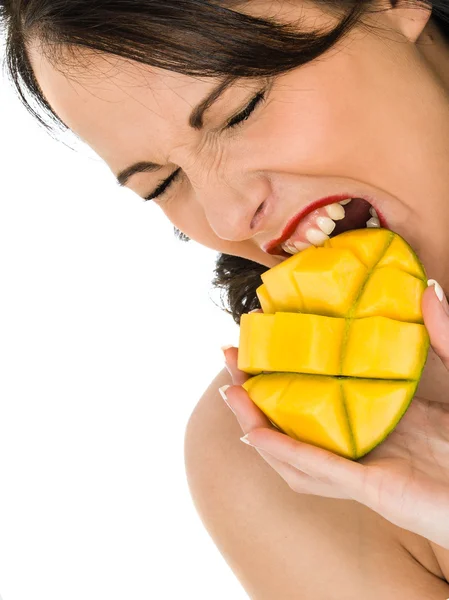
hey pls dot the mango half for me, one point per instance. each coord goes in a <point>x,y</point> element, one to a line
<point>338,352</point>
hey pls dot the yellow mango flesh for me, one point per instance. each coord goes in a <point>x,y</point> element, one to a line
<point>339,350</point>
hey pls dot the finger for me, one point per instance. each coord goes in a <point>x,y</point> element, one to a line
<point>296,480</point>
<point>436,320</point>
<point>248,414</point>
<point>346,476</point>
<point>300,482</point>
<point>250,417</point>
<point>231,360</point>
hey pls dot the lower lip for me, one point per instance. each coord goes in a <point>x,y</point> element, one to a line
<point>274,248</point>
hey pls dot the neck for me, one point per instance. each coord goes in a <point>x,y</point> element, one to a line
<point>434,383</point>
<point>435,47</point>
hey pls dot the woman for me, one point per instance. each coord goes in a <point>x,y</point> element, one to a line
<point>233,117</point>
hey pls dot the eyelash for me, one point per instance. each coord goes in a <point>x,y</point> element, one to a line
<point>236,121</point>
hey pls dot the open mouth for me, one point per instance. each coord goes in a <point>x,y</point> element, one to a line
<point>314,230</point>
<point>358,214</point>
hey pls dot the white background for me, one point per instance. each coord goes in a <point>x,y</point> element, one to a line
<point>109,335</point>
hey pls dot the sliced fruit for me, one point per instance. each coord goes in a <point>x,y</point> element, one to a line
<point>329,280</point>
<point>280,286</point>
<point>339,350</point>
<point>348,416</point>
<point>383,294</point>
<point>382,348</point>
<point>306,407</point>
<point>290,342</point>
<point>266,303</point>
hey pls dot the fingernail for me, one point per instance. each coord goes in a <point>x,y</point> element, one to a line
<point>245,440</point>
<point>223,349</point>
<point>254,310</point>
<point>440,294</point>
<point>222,391</point>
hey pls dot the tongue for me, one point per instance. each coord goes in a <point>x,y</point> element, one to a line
<point>357,214</point>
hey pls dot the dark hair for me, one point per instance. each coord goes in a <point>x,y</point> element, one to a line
<point>193,37</point>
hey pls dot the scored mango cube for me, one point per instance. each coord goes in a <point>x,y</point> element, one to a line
<point>255,342</point>
<point>282,288</point>
<point>266,303</point>
<point>377,347</point>
<point>367,248</point>
<point>329,281</point>
<point>399,254</point>
<point>374,407</point>
<point>311,410</point>
<point>291,342</point>
<point>392,293</point>
<point>300,343</point>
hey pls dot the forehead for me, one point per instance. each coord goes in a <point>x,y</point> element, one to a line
<point>113,103</point>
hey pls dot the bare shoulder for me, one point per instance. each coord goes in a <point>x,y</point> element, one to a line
<point>285,545</point>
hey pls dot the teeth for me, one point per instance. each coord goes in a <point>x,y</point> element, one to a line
<point>302,245</point>
<point>316,236</point>
<point>289,248</point>
<point>335,211</point>
<point>343,202</point>
<point>372,212</point>
<point>326,224</point>
<point>373,222</point>
<point>295,247</point>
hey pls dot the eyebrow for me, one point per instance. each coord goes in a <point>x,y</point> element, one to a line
<point>195,122</point>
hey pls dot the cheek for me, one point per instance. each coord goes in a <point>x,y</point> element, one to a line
<point>310,133</point>
<point>323,113</point>
<point>326,129</point>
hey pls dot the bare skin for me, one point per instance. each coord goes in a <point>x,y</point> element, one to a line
<point>369,118</point>
<point>284,544</point>
<point>405,479</point>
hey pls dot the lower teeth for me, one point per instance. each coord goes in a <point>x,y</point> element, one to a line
<point>373,222</point>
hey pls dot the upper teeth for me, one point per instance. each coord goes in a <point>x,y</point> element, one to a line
<point>335,211</point>
<point>325,225</point>
<point>316,236</point>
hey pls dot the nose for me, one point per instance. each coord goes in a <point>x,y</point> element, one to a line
<point>235,212</point>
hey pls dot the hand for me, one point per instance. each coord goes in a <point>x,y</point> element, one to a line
<point>405,479</point>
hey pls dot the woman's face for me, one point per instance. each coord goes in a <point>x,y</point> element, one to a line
<point>368,119</point>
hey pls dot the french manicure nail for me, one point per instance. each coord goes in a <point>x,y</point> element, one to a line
<point>222,391</point>
<point>440,294</point>
<point>223,349</point>
<point>245,440</point>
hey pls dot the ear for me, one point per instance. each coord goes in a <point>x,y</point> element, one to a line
<point>409,18</point>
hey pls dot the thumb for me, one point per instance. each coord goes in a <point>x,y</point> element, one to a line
<point>435,309</point>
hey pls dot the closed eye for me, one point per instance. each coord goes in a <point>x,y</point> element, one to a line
<point>159,191</point>
<point>233,122</point>
<point>242,116</point>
